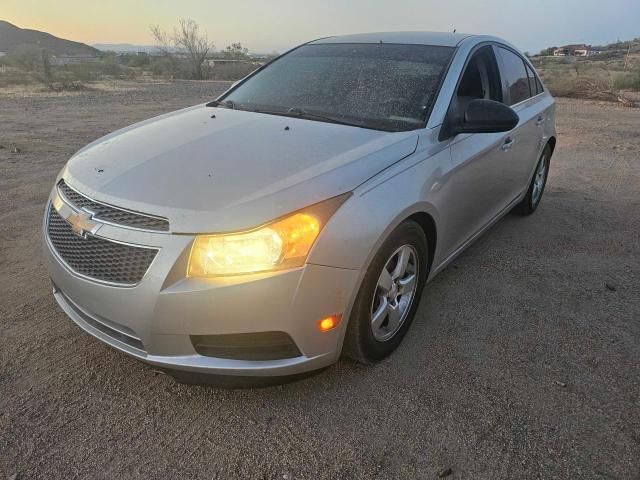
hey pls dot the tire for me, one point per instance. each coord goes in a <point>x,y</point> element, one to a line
<point>532,199</point>
<point>365,342</point>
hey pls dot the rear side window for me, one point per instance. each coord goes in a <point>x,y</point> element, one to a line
<point>514,76</point>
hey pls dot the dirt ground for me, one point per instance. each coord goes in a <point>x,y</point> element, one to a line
<point>523,361</point>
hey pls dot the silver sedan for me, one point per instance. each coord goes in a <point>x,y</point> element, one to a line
<point>300,215</point>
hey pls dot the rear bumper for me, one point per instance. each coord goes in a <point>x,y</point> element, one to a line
<point>154,320</point>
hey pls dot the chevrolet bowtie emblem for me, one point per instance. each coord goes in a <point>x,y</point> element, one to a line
<point>81,223</point>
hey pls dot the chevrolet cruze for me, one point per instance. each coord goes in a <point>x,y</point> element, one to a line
<point>298,216</point>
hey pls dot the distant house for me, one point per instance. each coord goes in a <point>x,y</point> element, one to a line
<point>73,59</point>
<point>579,50</point>
<point>583,51</point>
<point>2,54</point>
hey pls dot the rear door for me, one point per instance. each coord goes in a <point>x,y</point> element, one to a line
<point>520,93</point>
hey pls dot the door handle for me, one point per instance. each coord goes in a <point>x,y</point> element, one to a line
<point>508,143</point>
<point>540,121</point>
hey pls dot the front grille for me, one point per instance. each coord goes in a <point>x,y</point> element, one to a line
<point>96,257</point>
<point>110,214</point>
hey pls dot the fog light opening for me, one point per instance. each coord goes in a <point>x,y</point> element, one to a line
<point>329,323</point>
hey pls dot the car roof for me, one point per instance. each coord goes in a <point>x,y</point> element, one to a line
<point>445,39</point>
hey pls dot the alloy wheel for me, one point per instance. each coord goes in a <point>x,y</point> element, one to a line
<point>539,180</point>
<point>395,291</point>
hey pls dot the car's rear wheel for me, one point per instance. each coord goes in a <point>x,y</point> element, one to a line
<point>389,295</point>
<point>532,199</point>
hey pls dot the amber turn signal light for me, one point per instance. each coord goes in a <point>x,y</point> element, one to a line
<point>329,323</point>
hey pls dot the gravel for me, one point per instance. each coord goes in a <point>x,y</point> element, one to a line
<point>523,362</point>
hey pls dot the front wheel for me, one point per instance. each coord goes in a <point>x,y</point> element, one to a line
<point>532,199</point>
<point>389,295</point>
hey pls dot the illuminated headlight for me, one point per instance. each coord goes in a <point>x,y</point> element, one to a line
<point>282,244</point>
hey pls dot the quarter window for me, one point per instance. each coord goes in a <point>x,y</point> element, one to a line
<point>515,76</point>
<point>539,87</point>
<point>532,81</point>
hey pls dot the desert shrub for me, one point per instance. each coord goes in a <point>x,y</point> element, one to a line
<point>628,80</point>
<point>597,86</point>
<point>26,56</point>
<point>183,69</point>
<point>131,73</point>
<point>561,60</point>
<point>15,76</point>
<point>141,60</point>
<point>27,64</point>
<point>607,55</point>
<point>81,72</point>
<point>161,67</point>
<point>230,71</point>
<point>111,66</point>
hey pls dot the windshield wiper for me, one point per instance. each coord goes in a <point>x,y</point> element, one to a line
<point>302,113</point>
<point>224,103</point>
<point>295,112</point>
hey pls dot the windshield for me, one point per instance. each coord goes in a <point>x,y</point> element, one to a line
<point>380,86</point>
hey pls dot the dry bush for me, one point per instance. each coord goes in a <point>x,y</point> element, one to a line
<point>629,81</point>
<point>10,76</point>
<point>230,71</point>
<point>587,78</point>
<point>188,38</point>
<point>592,86</point>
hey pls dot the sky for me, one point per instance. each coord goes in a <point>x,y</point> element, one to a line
<point>276,25</point>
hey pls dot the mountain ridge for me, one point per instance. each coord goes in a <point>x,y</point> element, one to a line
<point>12,37</point>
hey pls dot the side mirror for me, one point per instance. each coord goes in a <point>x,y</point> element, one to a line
<point>478,116</point>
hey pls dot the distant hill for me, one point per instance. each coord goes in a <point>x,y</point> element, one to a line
<point>11,37</point>
<point>125,48</point>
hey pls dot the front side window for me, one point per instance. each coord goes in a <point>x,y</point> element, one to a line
<point>480,79</point>
<point>514,76</point>
<point>381,86</point>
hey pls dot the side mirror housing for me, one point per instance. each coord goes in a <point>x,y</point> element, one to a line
<point>478,116</point>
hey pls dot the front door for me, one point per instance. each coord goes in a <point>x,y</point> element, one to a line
<point>479,184</point>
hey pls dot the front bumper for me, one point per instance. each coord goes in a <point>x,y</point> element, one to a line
<point>154,320</point>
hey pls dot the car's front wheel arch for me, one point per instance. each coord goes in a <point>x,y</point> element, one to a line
<point>428,225</point>
<point>552,144</point>
<point>423,222</point>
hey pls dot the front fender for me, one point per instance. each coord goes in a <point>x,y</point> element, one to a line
<point>357,230</point>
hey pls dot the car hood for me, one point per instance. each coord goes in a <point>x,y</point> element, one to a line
<point>213,169</point>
